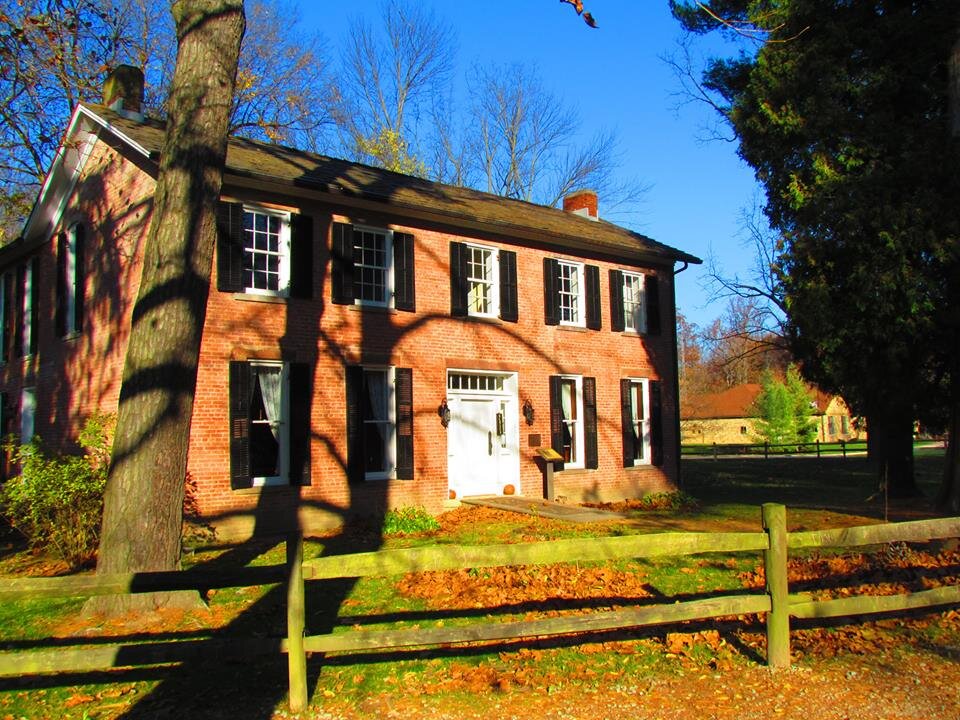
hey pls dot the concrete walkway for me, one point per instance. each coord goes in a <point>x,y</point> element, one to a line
<point>543,508</point>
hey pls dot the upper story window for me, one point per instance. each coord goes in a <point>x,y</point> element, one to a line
<point>483,282</point>
<point>634,302</point>
<point>634,317</point>
<point>263,251</point>
<point>372,267</point>
<point>571,294</point>
<point>70,290</point>
<point>266,251</point>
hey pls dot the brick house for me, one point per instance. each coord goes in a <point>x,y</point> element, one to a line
<point>729,417</point>
<point>371,340</point>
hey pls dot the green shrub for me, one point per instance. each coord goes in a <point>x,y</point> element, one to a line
<point>409,521</point>
<point>57,501</point>
<point>677,500</point>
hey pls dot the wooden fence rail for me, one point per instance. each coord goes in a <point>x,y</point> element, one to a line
<point>775,601</point>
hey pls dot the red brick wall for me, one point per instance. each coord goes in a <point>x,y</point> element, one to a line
<point>78,375</point>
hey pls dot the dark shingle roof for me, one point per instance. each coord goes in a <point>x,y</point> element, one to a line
<point>279,164</point>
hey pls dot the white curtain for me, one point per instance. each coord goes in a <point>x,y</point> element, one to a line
<point>377,395</point>
<point>566,400</point>
<point>271,390</point>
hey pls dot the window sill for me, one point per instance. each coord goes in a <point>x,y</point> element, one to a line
<point>376,309</point>
<point>254,297</point>
<point>70,336</point>
<point>485,319</point>
<point>572,328</point>
<point>641,466</point>
<point>258,489</point>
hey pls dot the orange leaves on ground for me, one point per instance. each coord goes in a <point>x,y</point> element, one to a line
<point>511,586</point>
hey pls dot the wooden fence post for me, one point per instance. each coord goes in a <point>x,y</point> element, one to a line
<point>775,571</point>
<point>296,623</point>
<point>818,447</point>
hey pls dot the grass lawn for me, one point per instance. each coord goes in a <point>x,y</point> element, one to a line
<point>825,492</point>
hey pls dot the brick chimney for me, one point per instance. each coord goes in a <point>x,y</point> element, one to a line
<point>581,202</point>
<point>123,90</point>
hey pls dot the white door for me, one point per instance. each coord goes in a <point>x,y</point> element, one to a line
<point>475,448</point>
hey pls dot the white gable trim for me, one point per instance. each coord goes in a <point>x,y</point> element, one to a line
<point>82,134</point>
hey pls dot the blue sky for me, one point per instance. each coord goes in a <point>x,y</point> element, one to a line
<point>617,78</point>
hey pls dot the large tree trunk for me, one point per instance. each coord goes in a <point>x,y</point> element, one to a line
<point>143,506</point>
<point>949,496</point>
<point>894,453</point>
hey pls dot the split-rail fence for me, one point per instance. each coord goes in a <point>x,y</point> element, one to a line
<point>775,602</point>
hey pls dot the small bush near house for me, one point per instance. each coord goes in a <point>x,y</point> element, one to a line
<point>409,521</point>
<point>57,502</point>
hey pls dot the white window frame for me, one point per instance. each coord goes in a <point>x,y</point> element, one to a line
<point>492,283</point>
<point>390,438</point>
<point>387,268</point>
<point>578,449</point>
<point>26,332</point>
<point>634,305</point>
<point>283,251</point>
<point>641,424</point>
<point>28,414</point>
<point>283,439</point>
<point>71,287</point>
<point>576,301</point>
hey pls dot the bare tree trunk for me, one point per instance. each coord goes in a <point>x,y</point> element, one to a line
<point>143,506</point>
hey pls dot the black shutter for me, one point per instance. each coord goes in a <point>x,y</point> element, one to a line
<point>556,414</point>
<point>656,422</point>
<point>9,315</point>
<point>355,458</point>
<point>616,301</point>
<point>341,281</point>
<point>594,321</point>
<point>80,276</point>
<point>404,400</point>
<point>458,279</point>
<point>240,425</point>
<point>509,311</point>
<point>551,291</point>
<point>301,256</point>
<point>60,314</point>
<point>651,292</point>
<point>301,402</point>
<point>590,459</point>
<point>404,288</point>
<point>626,424</point>
<point>230,247</point>
<point>34,303</point>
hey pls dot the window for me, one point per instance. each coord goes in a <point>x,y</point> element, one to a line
<point>26,304</point>
<point>372,267</point>
<point>641,420</point>
<point>571,294</point>
<point>28,411</point>
<point>371,260</point>
<point>70,291</point>
<point>379,423</point>
<point>634,302</point>
<point>483,282</point>
<point>269,423</point>
<point>266,251</point>
<point>262,251</point>
<point>573,419</point>
<point>634,317</point>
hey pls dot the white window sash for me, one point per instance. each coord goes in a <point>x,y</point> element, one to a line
<point>283,252</point>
